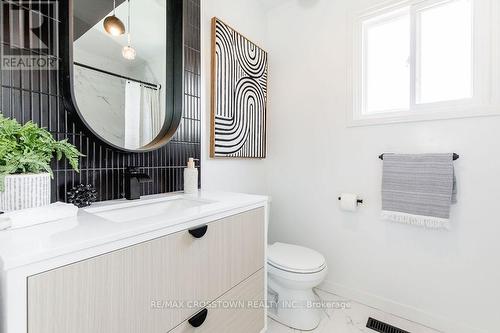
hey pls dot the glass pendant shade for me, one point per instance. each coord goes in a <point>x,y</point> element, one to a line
<point>128,52</point>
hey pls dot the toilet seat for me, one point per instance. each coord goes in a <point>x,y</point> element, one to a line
<point>295,259</point>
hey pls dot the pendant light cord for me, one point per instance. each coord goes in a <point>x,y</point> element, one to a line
<point>128,19</point>
<point>114,7</point>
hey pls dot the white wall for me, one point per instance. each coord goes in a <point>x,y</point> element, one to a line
<point>450,280</point>
<point>248,17</point>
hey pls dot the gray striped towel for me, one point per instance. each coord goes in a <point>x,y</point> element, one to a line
<point>419,189</point>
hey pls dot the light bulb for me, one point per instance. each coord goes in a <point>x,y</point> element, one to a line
<point>128,52</point>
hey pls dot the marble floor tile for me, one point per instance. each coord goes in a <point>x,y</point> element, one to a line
<point>350,317</point>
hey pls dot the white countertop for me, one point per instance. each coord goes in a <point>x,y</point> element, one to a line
<point>30,245</point>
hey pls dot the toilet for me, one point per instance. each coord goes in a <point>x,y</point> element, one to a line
<point>293,271</point>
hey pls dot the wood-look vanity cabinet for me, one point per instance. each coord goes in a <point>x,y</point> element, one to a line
<point>158,285</point>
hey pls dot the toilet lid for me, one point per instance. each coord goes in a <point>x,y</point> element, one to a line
<point>295,258</point>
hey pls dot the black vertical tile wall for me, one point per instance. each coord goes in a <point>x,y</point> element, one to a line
<point>36,95</point>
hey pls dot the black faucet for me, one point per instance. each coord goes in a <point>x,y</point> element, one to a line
<point>133,181</point>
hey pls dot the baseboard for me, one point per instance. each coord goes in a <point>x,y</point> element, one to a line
<point>442,324</point>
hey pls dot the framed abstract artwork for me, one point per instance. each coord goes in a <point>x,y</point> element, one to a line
<point>239,95</point>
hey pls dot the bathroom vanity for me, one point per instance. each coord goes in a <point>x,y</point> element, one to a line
<point>165,263</point>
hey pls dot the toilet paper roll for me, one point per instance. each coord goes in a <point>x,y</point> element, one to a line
<point>348,202</point>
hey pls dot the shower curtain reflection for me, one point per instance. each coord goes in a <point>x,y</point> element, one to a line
<point>143,116</point>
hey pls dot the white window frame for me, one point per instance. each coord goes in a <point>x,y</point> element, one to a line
<point>486,73</point>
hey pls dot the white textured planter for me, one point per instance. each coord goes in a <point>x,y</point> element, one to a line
<point>25,191</point>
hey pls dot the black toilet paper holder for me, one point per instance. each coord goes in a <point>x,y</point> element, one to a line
<point>359,201</point>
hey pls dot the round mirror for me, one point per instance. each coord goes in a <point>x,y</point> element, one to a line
<point>123,70</point>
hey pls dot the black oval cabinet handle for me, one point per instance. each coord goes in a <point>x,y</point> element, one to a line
<point>198,319</point>
<point>199,232</point>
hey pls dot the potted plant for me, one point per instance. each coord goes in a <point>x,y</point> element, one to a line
<point>25,155</point>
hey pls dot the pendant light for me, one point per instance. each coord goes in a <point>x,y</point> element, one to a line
<point>113,25</point>
<point>128,51</point>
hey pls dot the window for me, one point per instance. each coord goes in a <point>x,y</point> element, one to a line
<point>386,63</point>
<point>444,52</point>
<point>421,59</point>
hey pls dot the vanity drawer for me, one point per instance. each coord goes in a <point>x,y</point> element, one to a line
<point>129,290</point>
<point>248,316</point>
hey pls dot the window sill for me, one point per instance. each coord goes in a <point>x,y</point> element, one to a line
<point>405,117</point>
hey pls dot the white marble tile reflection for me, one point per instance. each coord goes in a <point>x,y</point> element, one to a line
<point>350,318</point>
<point>101,100</point>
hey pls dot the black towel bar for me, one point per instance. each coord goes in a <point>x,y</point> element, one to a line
<point>455,156</point>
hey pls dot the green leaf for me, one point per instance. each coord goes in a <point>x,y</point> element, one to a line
<point>29,149</point>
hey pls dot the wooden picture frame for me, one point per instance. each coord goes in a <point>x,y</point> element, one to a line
<point>239,75</point>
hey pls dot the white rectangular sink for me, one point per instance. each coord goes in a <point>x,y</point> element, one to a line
<point>141,210</point>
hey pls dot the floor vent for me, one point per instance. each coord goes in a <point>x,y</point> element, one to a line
<point>382,327</point>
